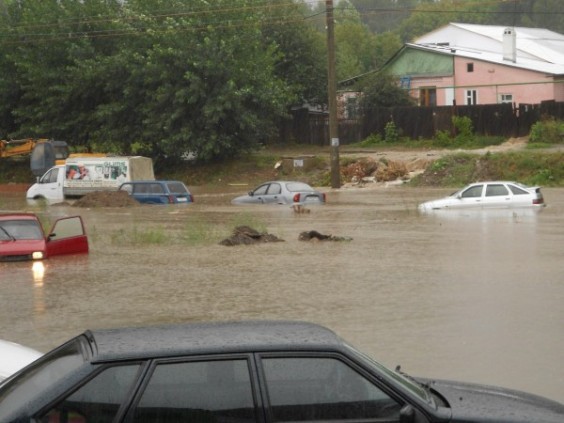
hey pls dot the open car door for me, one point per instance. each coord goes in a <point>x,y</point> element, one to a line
<point>67,236</point>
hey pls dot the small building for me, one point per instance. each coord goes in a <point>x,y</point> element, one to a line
<point>481,64</point>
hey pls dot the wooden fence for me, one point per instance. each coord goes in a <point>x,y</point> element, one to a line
<point>421,122</point>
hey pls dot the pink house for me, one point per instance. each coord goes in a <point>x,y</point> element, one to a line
<point>482,64</point>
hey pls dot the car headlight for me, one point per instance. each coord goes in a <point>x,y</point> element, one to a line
<point>37,255</point>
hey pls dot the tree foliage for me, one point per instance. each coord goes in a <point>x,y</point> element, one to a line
<point>380,90</point>
<point>153,76</point>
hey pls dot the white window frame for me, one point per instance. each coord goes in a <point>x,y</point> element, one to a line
<point>505,98</point>
<point>471,97</point>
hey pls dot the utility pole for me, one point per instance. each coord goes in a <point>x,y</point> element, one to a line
<point>332,94</point>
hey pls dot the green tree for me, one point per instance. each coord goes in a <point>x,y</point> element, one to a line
<point>154,76</point>
<point>380,90</point>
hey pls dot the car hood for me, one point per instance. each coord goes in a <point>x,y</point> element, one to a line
<point>21,246</point>
<point>481,403</point>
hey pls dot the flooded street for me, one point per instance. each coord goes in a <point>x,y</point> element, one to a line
<point>471,296</point>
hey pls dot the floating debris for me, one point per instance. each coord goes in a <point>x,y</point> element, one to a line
<point>245,235</point>
<point>316,236</point>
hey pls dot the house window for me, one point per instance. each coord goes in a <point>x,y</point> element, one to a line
<point>469,67</point>
<point>471,97</point>
<point>505,98</point>
<point>428,96</point>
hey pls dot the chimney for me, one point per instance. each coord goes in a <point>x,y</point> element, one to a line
<point>509,45</point>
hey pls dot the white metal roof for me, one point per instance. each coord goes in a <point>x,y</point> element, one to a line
<point>537,49</point>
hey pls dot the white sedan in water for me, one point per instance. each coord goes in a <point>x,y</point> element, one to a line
<point>282,192</point>
<point>14,357</point>
<point>486,195</point>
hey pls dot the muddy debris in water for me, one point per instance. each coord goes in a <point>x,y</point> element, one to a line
<point>245,235</point>
<point>316,236</point>
<point>106,199</point>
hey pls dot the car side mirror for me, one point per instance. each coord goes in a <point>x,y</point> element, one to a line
<point>407,414</point>
<point>51,235</point>
<point>251,193</point>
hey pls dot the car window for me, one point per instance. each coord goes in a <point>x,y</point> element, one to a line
<point>493,190</point>
<point>20,229</point>
<point>307,389</point>
<point>472,192</point>
<point>141,188</point>
<point>67,227</point>
<point>156,189</point>
<point>298,186</point>
<point>274,189</point>
<point>98,400</point>
<point>52,176</point>
<point>517,191</point>
<point>177,188</point>
<point>203,391</point>
<point>261,190</point>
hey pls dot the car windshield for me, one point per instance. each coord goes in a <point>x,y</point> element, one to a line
<point>45,372</point>
<point>20,229</point>
<point>298,186</point>
<point>177,188</point>
<point>406,382</point>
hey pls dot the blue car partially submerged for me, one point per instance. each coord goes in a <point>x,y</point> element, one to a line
<point>158,192</point>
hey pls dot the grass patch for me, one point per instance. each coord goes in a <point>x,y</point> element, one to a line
<point>138,237</point>
<point>525,167</point>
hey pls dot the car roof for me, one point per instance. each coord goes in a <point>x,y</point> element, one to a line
<point>209,338</point>
<point>18,216</point>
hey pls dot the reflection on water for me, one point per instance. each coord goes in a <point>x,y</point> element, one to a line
<point>38,270</point>
<point>474,297</point>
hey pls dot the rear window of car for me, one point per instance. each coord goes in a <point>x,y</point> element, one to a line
<point>177,188</point>
<point>517,190</point>
<point>298,186</point>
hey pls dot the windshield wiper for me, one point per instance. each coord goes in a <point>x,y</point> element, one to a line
<point>12,238</point>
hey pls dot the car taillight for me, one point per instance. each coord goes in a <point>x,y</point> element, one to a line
<point>538,201</point>
<point>324,197</point>
<point>191,198</point>
<point>297,198</point>
<point>171,199</point>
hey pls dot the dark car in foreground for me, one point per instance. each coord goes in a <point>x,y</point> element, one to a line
<point>282,192</point>
<point>22,237</point>
<point>248,372</point>
<point>158,192</point>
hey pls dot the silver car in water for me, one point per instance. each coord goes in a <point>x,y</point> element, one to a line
<point>489,195</point>
<point>282,192</point>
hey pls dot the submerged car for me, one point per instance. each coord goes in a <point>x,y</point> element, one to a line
<point>22,237</point>
<point>158,192</point>
<point>248,371</point>
<point>489,195</point>
<point>15,357</point>
<point>282,192</point>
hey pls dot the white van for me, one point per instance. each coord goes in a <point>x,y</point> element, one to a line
<point>81,175</point>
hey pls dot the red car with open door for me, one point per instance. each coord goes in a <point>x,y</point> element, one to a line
<point>22,237</point>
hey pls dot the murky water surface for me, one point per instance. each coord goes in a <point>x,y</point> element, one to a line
<point>471,296</point>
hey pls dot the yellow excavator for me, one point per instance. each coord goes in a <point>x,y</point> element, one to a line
<point>44,153</point>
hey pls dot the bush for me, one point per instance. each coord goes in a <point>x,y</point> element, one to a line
<point>548,131</point>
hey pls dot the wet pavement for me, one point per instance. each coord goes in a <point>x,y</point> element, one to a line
<point>475,296</point>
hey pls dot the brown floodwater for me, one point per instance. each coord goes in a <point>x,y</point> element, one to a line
<point>475,296</point>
